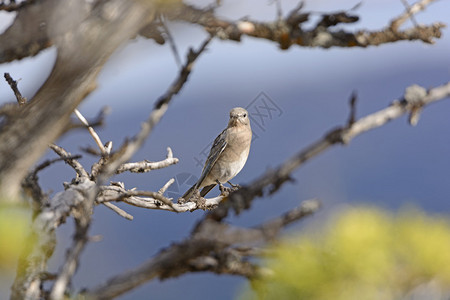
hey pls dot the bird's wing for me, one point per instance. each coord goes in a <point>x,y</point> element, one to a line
<point>216,149</point>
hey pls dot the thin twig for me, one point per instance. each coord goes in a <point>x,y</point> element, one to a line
<point>146,166</point>
<point>152,200</point>
<point>91,130</point>
<point>128,149</point>
<point>118,210</point>
<point>289,30</point>
<point>15,6</point>
<point>166,186</point>
<point>169,36</point>
<point>82,216</point>
<point>274,179</point>
<point>353,100</point>
<point>267,231</point>
<point>202,251</point>
<point>31,183</point>
<point>279,9</point>
<point>408,8</point>
<point>13,84</point>
<point>95,122</point>
<point>411,10</point>
<point>68,158</point>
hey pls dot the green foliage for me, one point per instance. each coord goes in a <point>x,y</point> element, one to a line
<point>361,254</point>
<point>14,224</point>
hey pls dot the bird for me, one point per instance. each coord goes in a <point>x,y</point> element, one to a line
<point>227,156</point>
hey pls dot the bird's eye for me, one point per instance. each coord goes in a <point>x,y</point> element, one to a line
<point>245,115</point>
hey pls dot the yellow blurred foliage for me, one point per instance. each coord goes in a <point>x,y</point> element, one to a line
<point>362,254</point>
<point>14,226</point>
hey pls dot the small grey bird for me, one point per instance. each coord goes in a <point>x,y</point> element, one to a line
<point>228,154</point>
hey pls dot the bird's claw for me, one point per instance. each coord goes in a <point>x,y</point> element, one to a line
<point>234,187</point>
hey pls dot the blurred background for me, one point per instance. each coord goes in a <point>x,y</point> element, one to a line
<point>294,98</point>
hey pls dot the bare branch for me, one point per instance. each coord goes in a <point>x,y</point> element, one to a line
<point>408,8</point>
<point>42,240</point>
<point>228,261</point>
<point>170,262</point>
<point>95,122</point>
<point>411,10</point>
<point>91,130</point>
<point>118,210</point>
<point>352,117</point>
<point>207,249</point>
<point>14,6</point>
<point>85,40</point>
<point>288,31</point>
<point>242,198</point>
<point>31,184</point>
<point>152,200</point>
<point>173,46</point>
<point>82,215</point>
<point>68,158</point>
<point>272,228</point>
<point>129,148</point>
<point>147,166</point>
<point>209,228</point>
<point>13,84</point>
<point>166,186</point>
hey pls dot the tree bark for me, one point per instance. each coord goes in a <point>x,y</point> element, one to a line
<point>82,51</point>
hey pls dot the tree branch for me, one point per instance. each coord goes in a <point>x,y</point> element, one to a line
<point>129,148</point>
<point>409,13</point>
<point>288,31</point>
<point>152,200</point>
<point>13,84</point>
<point>202,251</point>
<point>147,166</point>
<point>69,159</point>
<point>85,41</point>
<point>42,240</point>
<point>274,179</point>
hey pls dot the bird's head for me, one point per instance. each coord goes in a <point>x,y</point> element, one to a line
<point>238,116</point>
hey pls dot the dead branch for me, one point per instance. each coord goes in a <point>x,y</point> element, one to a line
<point>31,185</point>
<point>228,261</point>
<point>42,240</point>
<point>152,200</point>
<point>212,246</point>
<point>202,251</point>
<point>147,166</point>
<point>92,132</point>
<point>285,31</point>
<point>82,216</point>
<point>411,10</point>
<point>288,31</point>
<point>118,210</point>
<point>74,201</point>
<point>68,158</point>
<point>13,5</point>
<point>272,180</point>
<point>84,41</point>
<point>95,122</point>
<point>129,148</point>
<point>13,84</point>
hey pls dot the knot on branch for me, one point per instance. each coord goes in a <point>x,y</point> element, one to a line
<point>414,97</point>
<point>330,20</point>
<point>336,136</point>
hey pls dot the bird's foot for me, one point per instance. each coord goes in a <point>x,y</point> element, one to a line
<point>234,187</point>
<point>225,191</point>
<point>192,198</point>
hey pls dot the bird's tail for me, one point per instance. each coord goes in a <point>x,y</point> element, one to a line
<point>203,192</point>
<point>189,193</point>
<point>206,189</point>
